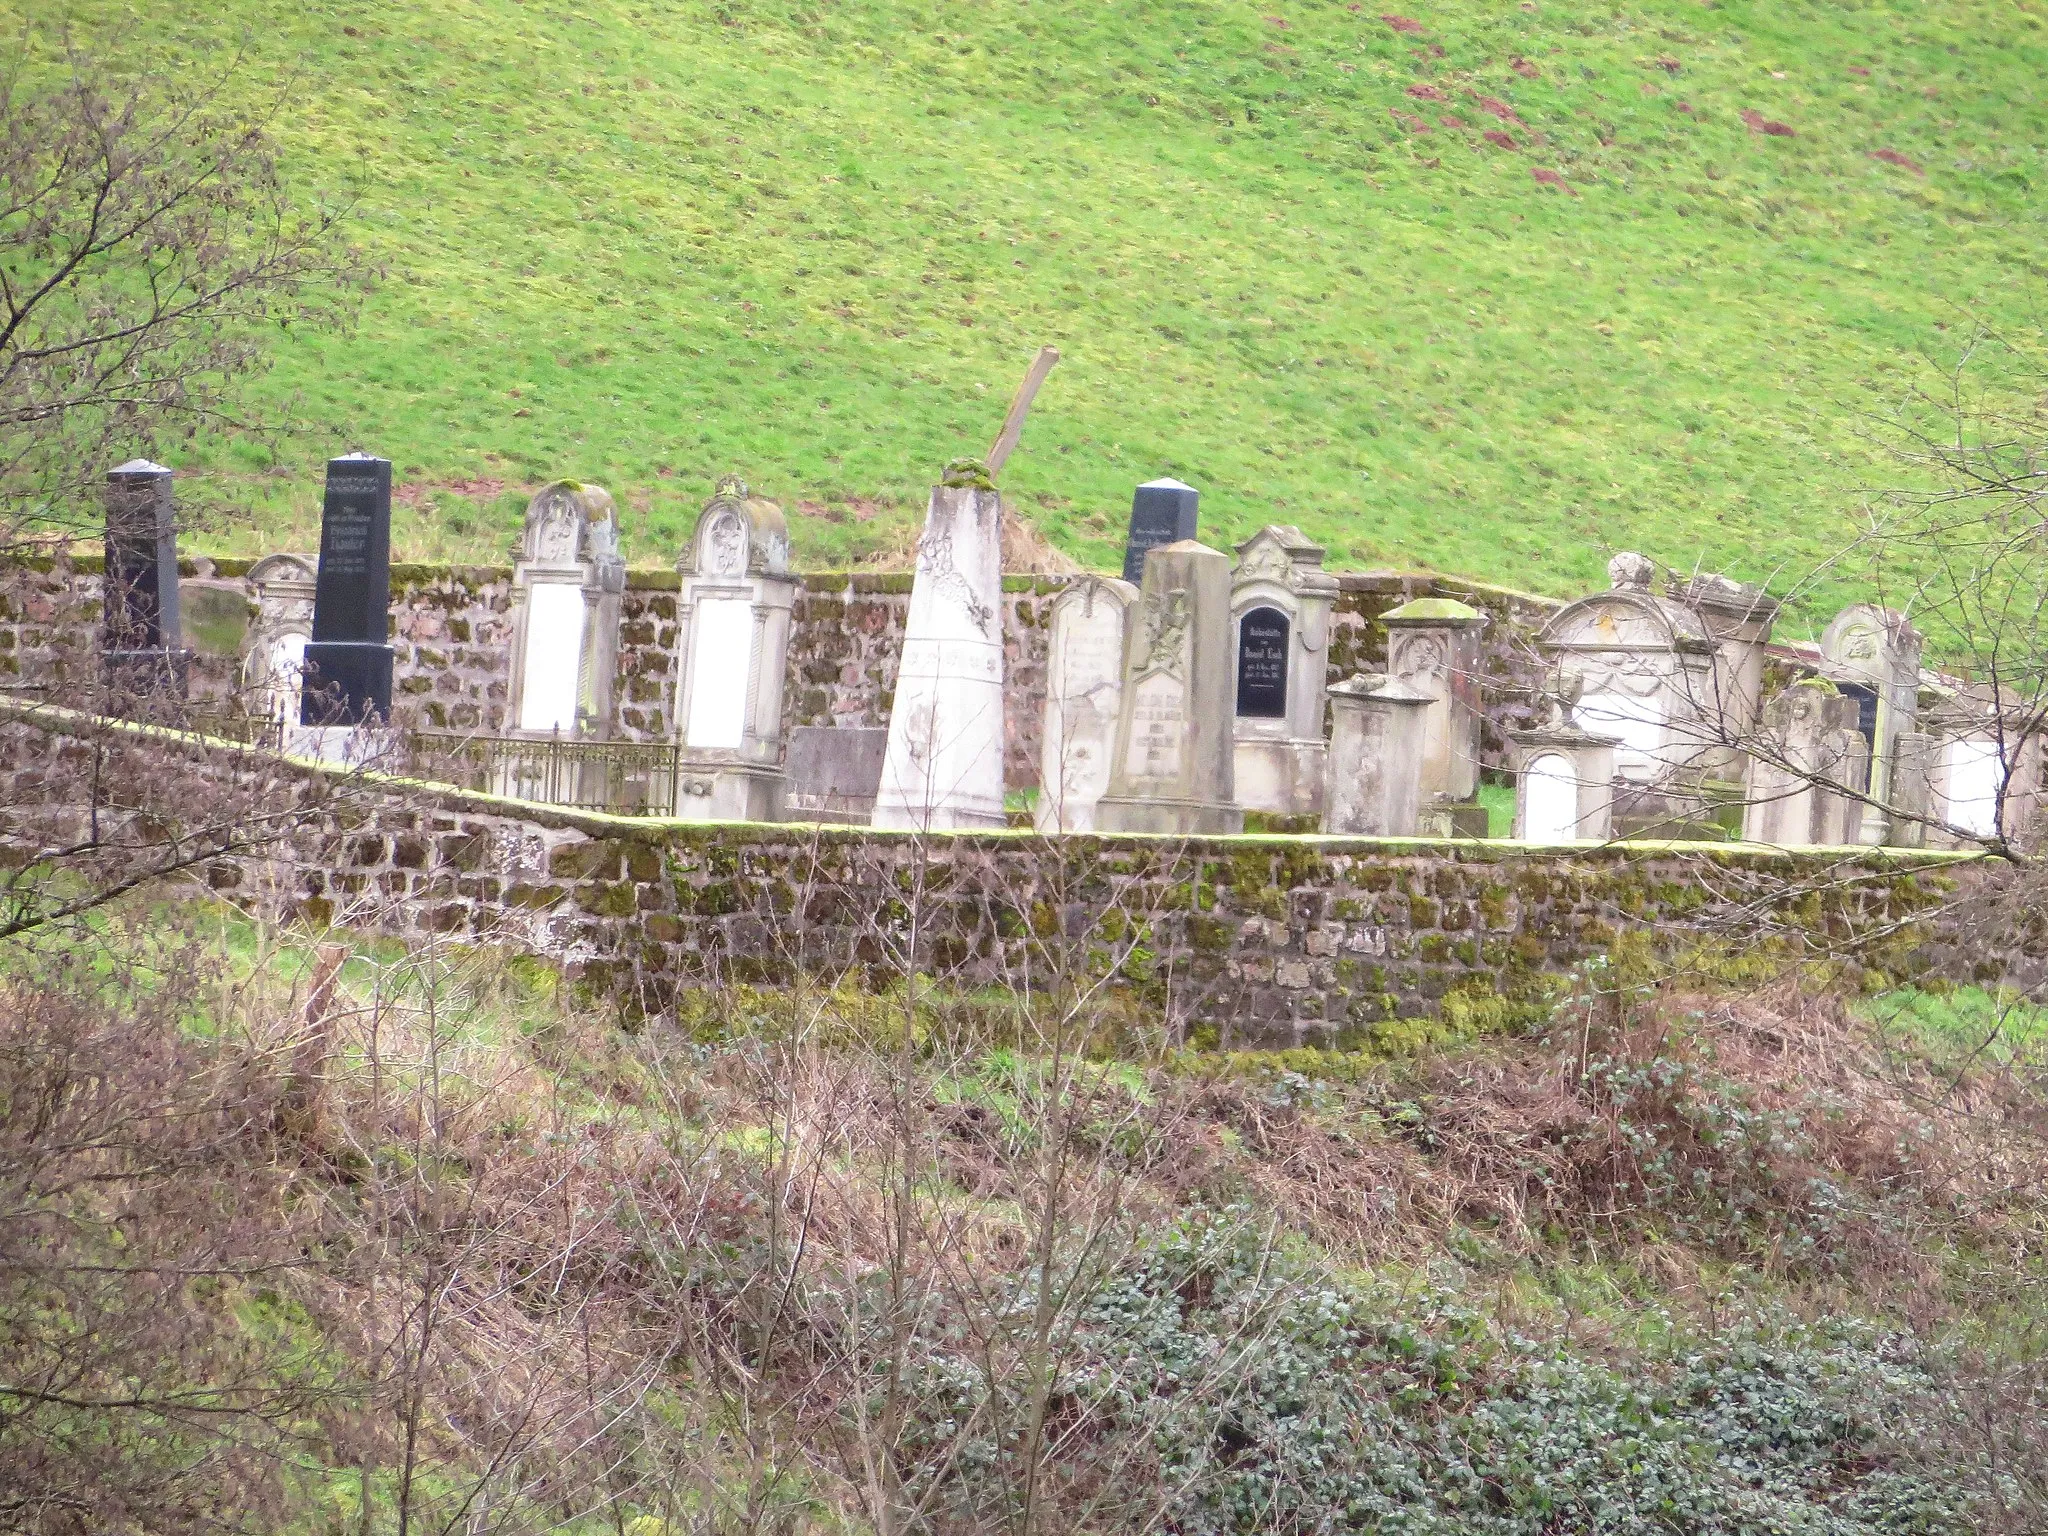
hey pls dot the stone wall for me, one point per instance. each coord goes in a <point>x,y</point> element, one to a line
<point>452,629</point>
<point>1259,941</point>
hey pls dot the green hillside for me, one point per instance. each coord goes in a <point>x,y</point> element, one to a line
<point>1490,288</point>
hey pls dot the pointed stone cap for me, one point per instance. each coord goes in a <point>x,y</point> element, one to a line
<point>1437,612</point>
<point>139,467</point>
<point>1166,483</point>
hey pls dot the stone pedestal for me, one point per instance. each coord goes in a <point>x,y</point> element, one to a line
<point>1173,770</point>
<point>1280,602</point>
<point>1433,647</point>
<point>143,647</point>
<point>944,766</point>
<point>1873,655</point>
<point>734,612</point>
<point>1373,772</point>
<point>1810,757</point>
<point>567,586</point>
<point>348,660</point>
<point>1564,779</point>
<point>1083,691</point>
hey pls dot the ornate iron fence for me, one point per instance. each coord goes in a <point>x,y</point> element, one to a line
<point>628,778</point>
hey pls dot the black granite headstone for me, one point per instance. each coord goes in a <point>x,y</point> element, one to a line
<point>1262,664</point>
<point>1162,512</point>
<point>348,660</point>
<point>143,645</point>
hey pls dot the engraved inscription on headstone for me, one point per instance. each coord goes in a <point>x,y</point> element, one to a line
<point>1262,664</point>
<point>348,663</point>
<point>1159,724</point>
<point>1162,512</point>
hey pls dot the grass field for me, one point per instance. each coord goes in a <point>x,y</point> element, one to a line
<point>1488,288</point>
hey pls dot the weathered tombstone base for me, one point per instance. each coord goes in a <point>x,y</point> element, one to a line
<point>833,773</point>
<point>346,682</point>
<point>1283,777</point>
<point>1443,819</point>
<point>734,792</point>
<point>154,672</point>
<point>1184,818</point>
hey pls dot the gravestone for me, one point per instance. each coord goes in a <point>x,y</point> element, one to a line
<point>944,766</point>
<point>734,609</point>
<point>1162,512</point>
<point>348,660</point>
<point>1173,770</point>
<point>1873,655</point>
<point>1810,763</point>
<point>833,772</point>
<point>1979,775</point>
<point>1644,666</point>
<point>1084,687</point>
<point>568,584</point>
<point>1433,646</point>
<point>143,649</point>
<point>1738,618</point>
<point>273,673</point>
<point>1280,603</point>
<point>1564,776</point>
<point>1378,726</point>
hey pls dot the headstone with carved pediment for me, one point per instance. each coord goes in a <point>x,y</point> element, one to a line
<point>1084,687</point>
<point>734,609</point>
<point>1280,603</point>
<point>1645,669</point>
<point>1433,646</point>
<point>1174,767</point>
<point>568,581</point>
<point>944,764</point>
<point>1872,655</point>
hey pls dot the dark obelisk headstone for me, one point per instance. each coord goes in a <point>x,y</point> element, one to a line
<point>348,662</point>
<point>143,645</point>
<point>1162,512</point>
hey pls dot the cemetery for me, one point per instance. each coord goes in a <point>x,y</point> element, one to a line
<point>1409,788</point>
<point>1202,689</point>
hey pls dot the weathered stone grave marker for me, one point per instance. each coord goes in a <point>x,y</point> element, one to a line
<point>568,584</point>
<point>1433,646</point>
<point>1280,603</point>
<point>1378,727</point>
<point>1173,769</point>
<point>144,648</point>
<point>1873,655</point>
<point>348,661</point>
<point>1802,787</point>
<point>1162,512</point>
<point>1083,694</point>
<point>735,604</point>
<point>944,766</point>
